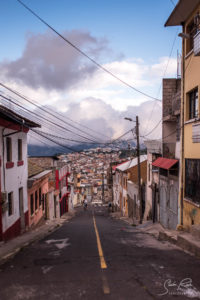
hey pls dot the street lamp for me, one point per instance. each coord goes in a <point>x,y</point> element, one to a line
<point>129,119</point>
<point>138,163</point>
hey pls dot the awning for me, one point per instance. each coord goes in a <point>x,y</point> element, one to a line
<point>164,163</point>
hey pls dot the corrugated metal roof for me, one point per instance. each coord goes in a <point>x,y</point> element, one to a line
<point>164,163</point>
<point>182,12</point>
<point>114,167</point>
<point>131,163</point>
<point>40,175</point>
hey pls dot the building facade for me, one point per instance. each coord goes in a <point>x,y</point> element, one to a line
<point>14,173</point>
<point>187,14</point>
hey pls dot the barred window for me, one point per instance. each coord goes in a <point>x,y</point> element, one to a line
<point>19,149</point>
<point>192,180</point>
<point>193,104</point>
<point>9,149</point>
<point>10,204</point>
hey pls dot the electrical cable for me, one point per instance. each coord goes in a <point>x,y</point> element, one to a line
<point>53,123</point>
<point>65,139</point>
<point>60,126</point>
<point>176,34</point>
<point>84,54</point>
<point>43,109</point>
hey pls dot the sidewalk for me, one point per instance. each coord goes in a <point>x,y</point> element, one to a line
<point>188,241</point>
<point>11,247</point>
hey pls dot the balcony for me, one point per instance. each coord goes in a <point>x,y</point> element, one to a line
<point>197,44</point>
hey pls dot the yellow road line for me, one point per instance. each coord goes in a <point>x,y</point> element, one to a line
<point>102,260</point>
<point>106,288</point>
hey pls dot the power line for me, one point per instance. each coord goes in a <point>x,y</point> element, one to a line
<point>166,135</point>
<point>58,125</point>
<point>43,109</point>
<point>65,139</point>
<point>153,128</point>
<point>84,54</point>
<point>32,102</point>
<point>46,111</point>
<point>173,3</point>
<point>50,121</point>
<point>176,33</point>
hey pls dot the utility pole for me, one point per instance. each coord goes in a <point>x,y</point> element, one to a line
<point>139,173</point>
<point>138,169</point>
<point>102,187</point>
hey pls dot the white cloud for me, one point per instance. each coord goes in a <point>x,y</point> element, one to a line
<point>55,75</point>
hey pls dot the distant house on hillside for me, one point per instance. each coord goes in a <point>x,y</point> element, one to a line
<point>14,172</point>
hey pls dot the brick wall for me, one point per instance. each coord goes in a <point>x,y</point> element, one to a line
<point>171,93</point>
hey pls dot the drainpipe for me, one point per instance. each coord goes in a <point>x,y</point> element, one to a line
<point>182,128</point>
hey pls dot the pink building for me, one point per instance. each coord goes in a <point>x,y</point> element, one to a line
<point>61,179</point>
<point>38,189</point>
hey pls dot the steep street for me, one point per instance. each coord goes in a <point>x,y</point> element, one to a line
<point>68,264</point>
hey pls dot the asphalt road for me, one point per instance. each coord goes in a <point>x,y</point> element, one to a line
<point>96,257</point>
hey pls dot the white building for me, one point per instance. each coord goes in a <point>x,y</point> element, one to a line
<point>14,173</point>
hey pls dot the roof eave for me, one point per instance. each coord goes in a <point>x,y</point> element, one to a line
<point>181,12</point>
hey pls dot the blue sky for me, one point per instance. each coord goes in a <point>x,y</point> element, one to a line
<point>127,37</point>
<point>134,28</point>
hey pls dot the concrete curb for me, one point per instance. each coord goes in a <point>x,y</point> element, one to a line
<point>163,236</point>
<point>186,241</point>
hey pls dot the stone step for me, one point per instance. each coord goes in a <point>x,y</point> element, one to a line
<point>187,242</point>
<point>195,231</point>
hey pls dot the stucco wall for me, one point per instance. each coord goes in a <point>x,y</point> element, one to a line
<point>14,178</point>
<point>38,214</point>
<point>191,150</point>
<point>191,214</point>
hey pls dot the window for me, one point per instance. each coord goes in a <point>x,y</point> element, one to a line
<point>40,197</point>
<point>10,203</point>
<point>9,149</point>
<point>163,172</point>
<point>43,196</point>
<point>19,149</point>
<point>36,200</point>
<point>32,204</point>
<point>193,104</point>
<point>191,30</point>
<point>192,180</point>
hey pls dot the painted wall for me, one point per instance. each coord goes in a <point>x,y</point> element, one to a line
<point>191,214</point>
<point>117,189</point>
<point>191,211</point>
<point>38,213</point>
<point>14,178</point>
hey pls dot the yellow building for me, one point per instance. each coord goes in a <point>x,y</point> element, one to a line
<point>187,14</point>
